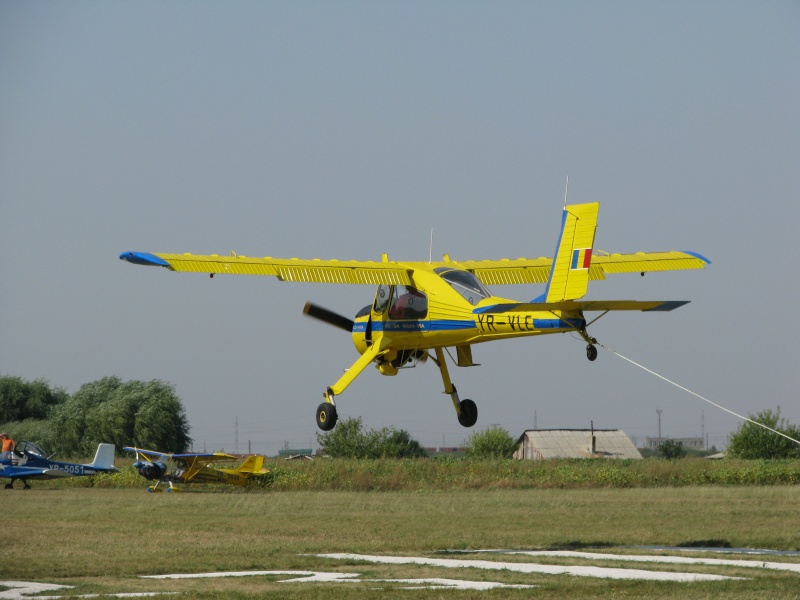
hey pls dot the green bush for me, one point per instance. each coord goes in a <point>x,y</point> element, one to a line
<point>493,442</point>
<point>752,441</point>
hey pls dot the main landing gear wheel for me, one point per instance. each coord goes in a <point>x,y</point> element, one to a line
<point>326,416</point>
<point>469,413</point>
<point>591,352</point>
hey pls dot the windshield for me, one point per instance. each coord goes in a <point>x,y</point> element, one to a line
<point>25,446</point>
<point>465,283</point>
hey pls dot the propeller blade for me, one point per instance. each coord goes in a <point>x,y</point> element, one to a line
<point>330,317</point>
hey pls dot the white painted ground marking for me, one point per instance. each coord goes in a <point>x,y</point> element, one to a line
<point>601,572</point>
<point>119,595</point>
<point>680,560</point>
<point>25,589</point>
<point>443,584</point>
<point>20,589</point>
<point>301,575</point>
<point>325,577</point>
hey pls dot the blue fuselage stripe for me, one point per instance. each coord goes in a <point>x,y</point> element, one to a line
<point>458,325</point>
<point>433,325</point>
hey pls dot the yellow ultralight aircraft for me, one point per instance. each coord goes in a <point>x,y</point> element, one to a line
<point>194,467</point>
<point>423,309</point>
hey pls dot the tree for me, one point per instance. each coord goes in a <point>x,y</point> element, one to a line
<point>21,400</point>
<point>394,443</point>
<point>670,449</point>
<point>69,419</point>
<point>493,442</point>
<point>161,421</point>
<point>137,413</point>
<point>752,441</point>
<point>351,440</point>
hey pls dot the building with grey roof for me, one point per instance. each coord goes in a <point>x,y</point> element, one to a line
<point>575,443</point>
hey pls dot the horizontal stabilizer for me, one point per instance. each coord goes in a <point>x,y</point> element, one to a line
<point>585,306</point>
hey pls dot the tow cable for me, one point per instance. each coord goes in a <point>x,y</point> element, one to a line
<point>703,398</point>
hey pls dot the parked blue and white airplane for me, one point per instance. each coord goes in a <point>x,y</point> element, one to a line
<point>31,462</point>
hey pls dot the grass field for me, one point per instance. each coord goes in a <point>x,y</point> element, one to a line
<point>101,540</point>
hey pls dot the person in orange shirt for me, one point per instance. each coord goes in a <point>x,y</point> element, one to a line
<point>8,446</point>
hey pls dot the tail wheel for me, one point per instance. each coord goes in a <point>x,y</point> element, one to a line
<point>591,352</point>
<point>469,413</point>
<point>326,416</point>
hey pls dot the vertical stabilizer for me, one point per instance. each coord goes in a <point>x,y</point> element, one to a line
<point>253,464</point>
<point>104,457</point>
<point>569,273</point>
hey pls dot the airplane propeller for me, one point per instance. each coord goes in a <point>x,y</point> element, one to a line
<point>328,316</point>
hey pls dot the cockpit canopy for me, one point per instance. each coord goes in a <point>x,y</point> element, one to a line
<point>25,446</point>
<point>465,283</point>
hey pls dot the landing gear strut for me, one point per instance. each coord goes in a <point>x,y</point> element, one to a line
<point>466,410</point>
<point>591,349</point>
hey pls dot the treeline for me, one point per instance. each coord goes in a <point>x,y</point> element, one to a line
<point>134,413</point>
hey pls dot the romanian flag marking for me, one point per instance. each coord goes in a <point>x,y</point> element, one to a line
<point>581,258</point>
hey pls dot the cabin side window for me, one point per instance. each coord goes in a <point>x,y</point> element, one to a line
<point>408,303</point>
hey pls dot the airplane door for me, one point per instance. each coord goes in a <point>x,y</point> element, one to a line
<point>379,309</point>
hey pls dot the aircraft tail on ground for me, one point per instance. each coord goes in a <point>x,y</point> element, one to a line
<point>569,273</point>
<point>104,457</point>
<point>253,464</point>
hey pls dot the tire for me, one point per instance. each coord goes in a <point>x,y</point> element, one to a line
<point>591,352</point>
<point>469,413</point>
<point>326,416</point>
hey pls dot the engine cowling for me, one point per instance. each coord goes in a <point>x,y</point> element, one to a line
<point>150,470</point>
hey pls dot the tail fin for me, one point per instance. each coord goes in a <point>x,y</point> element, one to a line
<point>104,457</point>
<point>253,464</point>
<point>569,273</point>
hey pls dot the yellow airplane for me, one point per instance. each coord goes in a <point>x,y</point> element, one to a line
<point>194,468</point>
<point>424,309</point>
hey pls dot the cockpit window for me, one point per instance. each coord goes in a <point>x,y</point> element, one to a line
<point>408,303</point>
<point>465,283</point>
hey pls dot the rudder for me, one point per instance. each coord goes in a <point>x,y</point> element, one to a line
<point>569,273</point>
<point>253,464</point>
<point>104,457</point>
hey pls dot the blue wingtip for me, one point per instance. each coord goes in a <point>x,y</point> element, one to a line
<point>698,255</point>
<point>143,258</point>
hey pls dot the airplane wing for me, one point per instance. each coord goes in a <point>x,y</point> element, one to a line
<point>196,462</point>
<point>285,269</point>
<point>31,472</point>
<point>211,456</point>
<point>491,272</point>
<point>537,270</point>
<point>585,306</point>
<point>151,455</point>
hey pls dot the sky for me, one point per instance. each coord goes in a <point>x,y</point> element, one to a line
<point>351,129</point>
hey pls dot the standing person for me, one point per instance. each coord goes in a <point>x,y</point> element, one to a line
<point>8,446</point>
